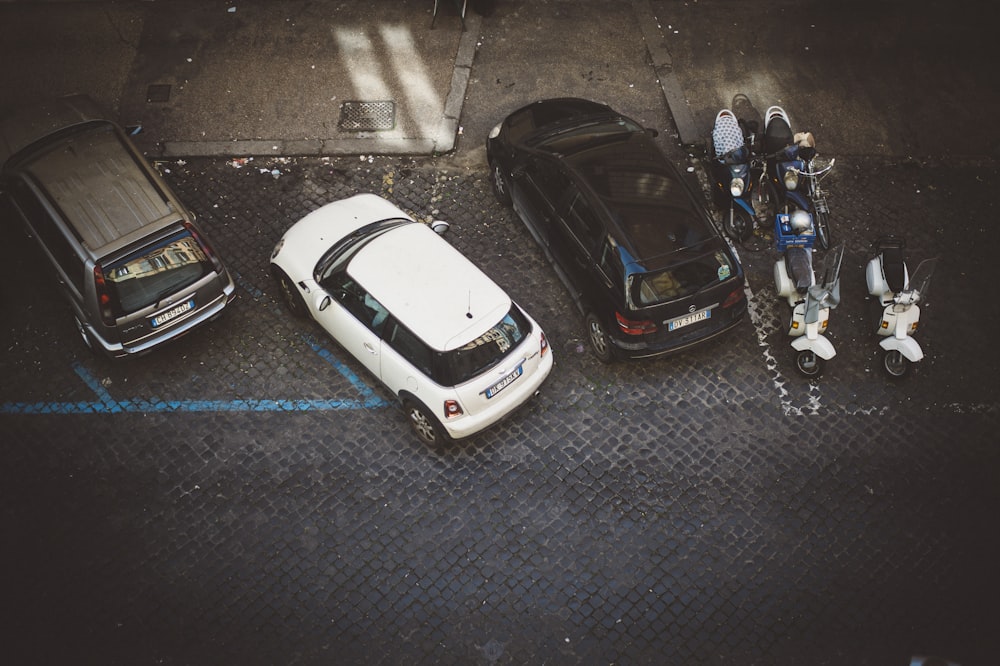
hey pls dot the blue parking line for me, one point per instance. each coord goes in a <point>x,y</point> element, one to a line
<point>106,404</point>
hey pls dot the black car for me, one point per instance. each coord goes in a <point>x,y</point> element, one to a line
<point>632,241</point>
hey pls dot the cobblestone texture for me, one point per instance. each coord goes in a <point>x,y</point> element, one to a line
<point>710,508</point>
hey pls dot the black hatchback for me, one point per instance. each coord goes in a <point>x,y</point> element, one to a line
<point>632,241</point>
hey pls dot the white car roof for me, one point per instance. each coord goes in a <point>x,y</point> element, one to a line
<point>431,287</point>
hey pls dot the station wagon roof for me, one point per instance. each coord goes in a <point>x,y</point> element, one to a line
<point>429,286</point>
<point>100,189</point>
<point>22,126</point>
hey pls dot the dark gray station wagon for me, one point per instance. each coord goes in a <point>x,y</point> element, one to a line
<point>126,252</point>
<point>634,244</point>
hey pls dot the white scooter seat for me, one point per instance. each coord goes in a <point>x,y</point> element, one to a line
<point>798,261</point>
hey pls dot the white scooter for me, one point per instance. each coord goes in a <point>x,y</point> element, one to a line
<point>898,294</point>
<point>810,297</point>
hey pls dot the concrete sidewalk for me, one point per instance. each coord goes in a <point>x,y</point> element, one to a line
<point>299,78</point>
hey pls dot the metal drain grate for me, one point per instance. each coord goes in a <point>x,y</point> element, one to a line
<point>158,92</point>
<point>367,116</point>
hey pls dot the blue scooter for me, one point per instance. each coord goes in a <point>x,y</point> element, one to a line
<point>791,180</point>
<point>731,180</point>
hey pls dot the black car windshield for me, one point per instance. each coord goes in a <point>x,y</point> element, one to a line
<point>154,272</point>
<point>587,135</point>
<point>686,279</point>
<point>486,351</point>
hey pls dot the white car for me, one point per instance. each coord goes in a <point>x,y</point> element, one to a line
<point>439,333</point>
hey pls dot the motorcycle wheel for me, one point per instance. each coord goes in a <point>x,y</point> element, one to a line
<point>808,363</point>
<point>738,224</point>
<point>822,228</point>
<point>895,364</point>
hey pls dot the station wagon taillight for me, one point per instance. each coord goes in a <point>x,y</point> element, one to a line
<point>635,327</point>
<point>216,262</point>
<point>103,297</point>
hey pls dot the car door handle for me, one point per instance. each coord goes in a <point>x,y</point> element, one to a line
<point>371,350</point>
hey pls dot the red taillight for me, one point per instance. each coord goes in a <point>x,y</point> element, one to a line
<point>543,343</point>
<point>452,409</point>
<point>631,327</point>
<point>204,245</point>
<point>103,297</point>
<point>735,297</point>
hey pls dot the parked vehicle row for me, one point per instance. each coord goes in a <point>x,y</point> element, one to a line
<point>641,256</point>
<point>771,181</point>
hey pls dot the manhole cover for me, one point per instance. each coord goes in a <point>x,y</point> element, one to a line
<point>367,116</point>
<point>158,92</point>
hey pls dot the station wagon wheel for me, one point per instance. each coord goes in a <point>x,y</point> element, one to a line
<point>290,294</point>
<point>424,425</point>
<point>599,340</point>
<point>501,188</point>
<point>82,330</point>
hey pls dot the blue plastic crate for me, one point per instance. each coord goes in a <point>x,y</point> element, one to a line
<point>784,237</point>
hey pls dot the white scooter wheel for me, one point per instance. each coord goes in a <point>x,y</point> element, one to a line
<point>809,363</point>
<point>895,364</point>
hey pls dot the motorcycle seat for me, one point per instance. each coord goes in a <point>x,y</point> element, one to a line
<point>894,267</point>
<point>727,135</point>
<point>777,135</point>
<point>798,262</point>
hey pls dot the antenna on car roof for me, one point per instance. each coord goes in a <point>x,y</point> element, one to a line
<point>468,311</point>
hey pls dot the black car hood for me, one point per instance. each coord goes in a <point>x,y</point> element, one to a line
<point>552,115</point>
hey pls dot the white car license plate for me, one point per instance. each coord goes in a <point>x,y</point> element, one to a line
<point>504,383</point>
<point>172,313</point>
<point>690,319</point>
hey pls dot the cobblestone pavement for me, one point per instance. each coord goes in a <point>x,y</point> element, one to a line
<point>250,496</point>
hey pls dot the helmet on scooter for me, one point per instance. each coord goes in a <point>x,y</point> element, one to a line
<point>801,221</point>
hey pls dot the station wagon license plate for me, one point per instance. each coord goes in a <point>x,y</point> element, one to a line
<point>505,382</point>
<point>680,322</point>
<point>171,313</point>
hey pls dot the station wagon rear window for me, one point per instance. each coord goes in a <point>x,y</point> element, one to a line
<point>154,272</point>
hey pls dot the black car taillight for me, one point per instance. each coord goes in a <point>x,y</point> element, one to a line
<point>635,327</point>
<point>735,297</point>
<point>209,252</point>
<point>103,297</point>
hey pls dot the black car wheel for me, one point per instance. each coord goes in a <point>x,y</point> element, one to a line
<point>424,425</point>
<point>501,188</point>
<point>290,294</point>
<point>599,341</point>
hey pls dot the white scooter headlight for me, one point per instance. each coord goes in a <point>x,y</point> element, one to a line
<point>736,186</point>
<point>791,179</point>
